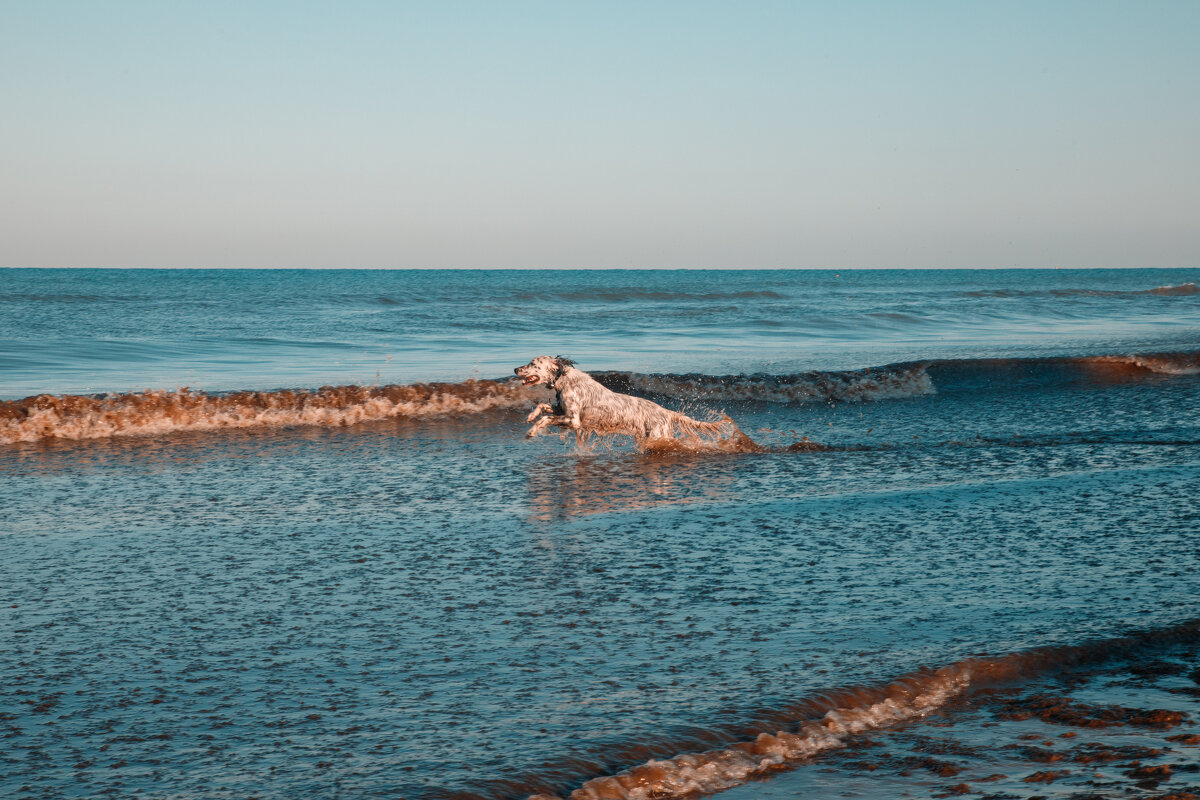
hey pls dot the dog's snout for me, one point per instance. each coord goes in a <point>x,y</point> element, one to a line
<point>516,370</point>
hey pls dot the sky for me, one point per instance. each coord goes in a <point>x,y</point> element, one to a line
<point>573,134</point>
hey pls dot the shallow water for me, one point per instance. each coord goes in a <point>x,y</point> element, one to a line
<point>425,605</point>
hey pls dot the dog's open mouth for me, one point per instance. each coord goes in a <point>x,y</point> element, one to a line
<point>529,380</point>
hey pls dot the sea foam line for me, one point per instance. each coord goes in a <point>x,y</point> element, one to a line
<point>159,411</point>
<point>101,416</point>
<point>849,712</point>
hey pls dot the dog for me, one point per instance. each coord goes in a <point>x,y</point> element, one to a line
<point>581,404</point>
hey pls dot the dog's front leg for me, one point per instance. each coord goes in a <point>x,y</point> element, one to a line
<point>538,427</point>
<point>546,422</point>
<point>542,408</point>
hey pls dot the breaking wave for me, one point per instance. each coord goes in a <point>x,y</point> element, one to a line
<point>828,720</point>
<point>1000,374</point>
<point>1161,363</point>
<point>101,416</point>
<point>899,381</point>
<point>906,380</point>
<point>1181,289</point>
<point>152,412</point>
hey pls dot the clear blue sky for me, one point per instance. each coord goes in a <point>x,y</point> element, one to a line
<point>599,134</point>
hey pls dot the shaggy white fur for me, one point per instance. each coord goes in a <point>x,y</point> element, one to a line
<point>586,407</point>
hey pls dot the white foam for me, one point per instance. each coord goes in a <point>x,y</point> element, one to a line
<point>1181,289</point>
<point>815,387</point>
<point>715,770</point>
<point>1169,365</point>
<point>1162,363</point>
<point>156,412</point>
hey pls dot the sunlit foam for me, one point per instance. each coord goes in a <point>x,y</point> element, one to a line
<point>95,417</point>
<point>1161,363</point>
<point>843,714</point>
<point>1181,289</point>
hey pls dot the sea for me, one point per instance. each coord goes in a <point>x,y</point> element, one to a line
<point>280,534</point>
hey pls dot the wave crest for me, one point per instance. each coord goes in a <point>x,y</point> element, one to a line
<point>100,416</point>
<point>715,770</point>
<point>1161,363</point>
<point>96,417</point>
<point>811,387</point>
<point>827,721</point>
<point>1181,289</point>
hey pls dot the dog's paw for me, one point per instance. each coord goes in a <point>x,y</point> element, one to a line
<point>542,408</point>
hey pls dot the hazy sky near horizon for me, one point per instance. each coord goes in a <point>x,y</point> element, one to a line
<point>599,134</point>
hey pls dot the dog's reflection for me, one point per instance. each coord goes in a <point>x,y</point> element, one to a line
<point>592,484</point>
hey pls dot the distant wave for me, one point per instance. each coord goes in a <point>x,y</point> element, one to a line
<point>20,297</point>
<point>618,295</point>
<point>828,720</point>
<point>597,295</point>
<point>1180,290</point>
<point>100,416</point>
<point>1103,369</point>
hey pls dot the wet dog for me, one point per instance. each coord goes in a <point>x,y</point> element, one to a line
<point>584,406</point>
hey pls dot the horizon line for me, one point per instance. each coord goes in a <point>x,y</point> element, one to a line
<point>587,269</point>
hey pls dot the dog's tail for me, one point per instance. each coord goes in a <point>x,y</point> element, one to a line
<point>722,434</point>
<point>692,428</point>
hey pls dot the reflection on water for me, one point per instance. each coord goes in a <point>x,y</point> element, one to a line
<point>181,449</point>
<point>594,484</point>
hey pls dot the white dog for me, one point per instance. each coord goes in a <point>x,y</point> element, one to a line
<point>584,406</point>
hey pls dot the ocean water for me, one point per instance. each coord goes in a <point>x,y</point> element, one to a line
<point>279,533</point>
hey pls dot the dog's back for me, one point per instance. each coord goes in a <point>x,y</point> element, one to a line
<point>602,410</point>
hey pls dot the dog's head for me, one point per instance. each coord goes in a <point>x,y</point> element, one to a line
<point>543,369</point>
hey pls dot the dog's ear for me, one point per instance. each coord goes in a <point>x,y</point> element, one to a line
<point>560,366</point>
